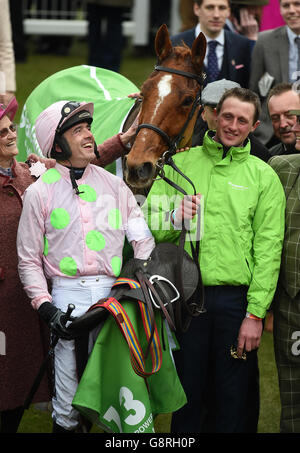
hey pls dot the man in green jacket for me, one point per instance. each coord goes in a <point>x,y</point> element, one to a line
<point>242,204</point>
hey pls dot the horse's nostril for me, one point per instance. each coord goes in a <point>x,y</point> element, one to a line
<point>145,170</point>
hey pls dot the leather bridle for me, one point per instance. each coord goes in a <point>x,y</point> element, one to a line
<point>166,158</point>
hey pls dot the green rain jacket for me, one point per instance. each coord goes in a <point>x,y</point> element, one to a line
<point>242,217</point>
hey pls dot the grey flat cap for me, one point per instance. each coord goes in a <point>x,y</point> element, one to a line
<point>213,91</point>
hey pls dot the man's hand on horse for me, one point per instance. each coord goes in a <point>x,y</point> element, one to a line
<point>128,136</point>
<point>135,95</point>
<point>187,209</point>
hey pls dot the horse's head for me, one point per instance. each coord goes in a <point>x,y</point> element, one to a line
<point>168,107</point>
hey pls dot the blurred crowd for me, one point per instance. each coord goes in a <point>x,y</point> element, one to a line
<point>105,40</point>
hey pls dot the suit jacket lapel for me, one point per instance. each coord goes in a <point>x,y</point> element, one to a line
<point>289,180</point>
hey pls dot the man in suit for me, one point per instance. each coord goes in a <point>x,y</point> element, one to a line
<point>286,303</point>
<point>228,54</point>
<point>275,60</point>
<point>282,98</point>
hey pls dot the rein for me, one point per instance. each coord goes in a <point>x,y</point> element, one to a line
<point>193,309</point>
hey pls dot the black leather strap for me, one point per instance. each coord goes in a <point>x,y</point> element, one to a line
<point>190,75</point>
<point>174,143</point>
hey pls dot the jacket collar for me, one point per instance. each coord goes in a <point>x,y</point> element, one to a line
<point>65,171</point>
<point>216,150</point>
<point>15,170</point>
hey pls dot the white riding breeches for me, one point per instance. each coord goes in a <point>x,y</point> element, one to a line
<point>82,292</point>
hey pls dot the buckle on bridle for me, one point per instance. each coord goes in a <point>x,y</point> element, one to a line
<point>160,162</point>
<point>164,159</point>
<point>153,279</point>
<point>160,165</point>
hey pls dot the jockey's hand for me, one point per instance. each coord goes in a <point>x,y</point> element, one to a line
<point>56,320</point>
<point>187,209</point>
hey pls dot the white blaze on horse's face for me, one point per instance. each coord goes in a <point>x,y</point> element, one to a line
<point>164,89</point>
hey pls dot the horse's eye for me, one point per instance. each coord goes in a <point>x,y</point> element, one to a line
<point>187,101</point>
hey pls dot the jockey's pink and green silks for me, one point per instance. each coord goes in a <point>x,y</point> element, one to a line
<point>108,91</point>
<point>110,392</point>
<point>79,235</point>
<point>112,395</point>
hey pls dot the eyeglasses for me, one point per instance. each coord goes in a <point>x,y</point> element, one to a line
<point>66,110</point>
<point>6,130</point>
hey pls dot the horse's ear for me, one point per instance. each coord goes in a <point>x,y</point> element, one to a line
<point>198,52</point>
<point>163,45</point>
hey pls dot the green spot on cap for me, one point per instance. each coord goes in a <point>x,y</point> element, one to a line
<point>88,193</point>
<point>95,240</point>
<point>116,265</point>
<point>115,219</point>
<point>59,218</point>
<point>52,175</point>
<point>68,266</point>
<point>46,246</point>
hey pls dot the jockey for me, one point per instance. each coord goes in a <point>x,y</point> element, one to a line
<point>71,232</point>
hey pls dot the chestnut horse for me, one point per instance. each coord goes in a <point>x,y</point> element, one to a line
<point>170,105</point>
